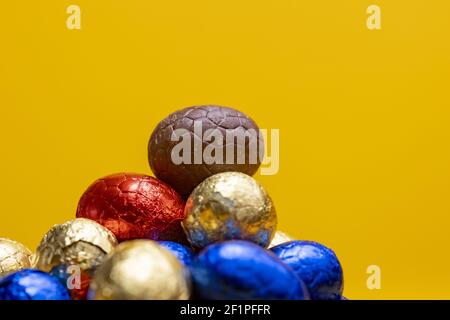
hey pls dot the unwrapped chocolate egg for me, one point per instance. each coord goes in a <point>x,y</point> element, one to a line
<point>14,256</point>
<point>140,270</point>
<point>226,206</point>
<point>194,143</point>
<point>74,248</point>
<point>134,206</point>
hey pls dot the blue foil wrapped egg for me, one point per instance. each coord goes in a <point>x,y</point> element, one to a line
<point>183,253</point>
<point>31,284</point>
<point>316,265</point>
<point>239,269</point>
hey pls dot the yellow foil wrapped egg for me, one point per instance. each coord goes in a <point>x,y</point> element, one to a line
<point>72,251</point>
<point>140,270</point>
<point>229,205</point>
<point>14,256</point>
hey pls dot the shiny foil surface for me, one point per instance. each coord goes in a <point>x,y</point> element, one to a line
<point>30,284</point>
<point>14,256</point>
<point>316,265</point>
<point>183,253</point>
<point>134,206</point>
<point>243,270</point>
<point>79,242</point>
<point>140,270</point>
<point>229,205</point>
<point>279,238</point>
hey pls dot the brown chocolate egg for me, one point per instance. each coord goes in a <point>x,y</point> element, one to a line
<point>197,142</point>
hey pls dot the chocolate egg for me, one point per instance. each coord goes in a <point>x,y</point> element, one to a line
<point>134,206</point>
<point>74,248</point>
<point>140,270</point>
<point>196,142</point>
<point>242,270</point>
<point>28,284</point>
<point>226,206</point>
<point>316,265</point>
<point>14,256</point>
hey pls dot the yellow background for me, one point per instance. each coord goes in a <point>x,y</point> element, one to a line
<point>363,115</point>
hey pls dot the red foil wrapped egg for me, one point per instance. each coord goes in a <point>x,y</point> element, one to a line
<point>134,206</point>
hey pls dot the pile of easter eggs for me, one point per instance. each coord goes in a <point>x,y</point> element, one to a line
<point>202,228</point>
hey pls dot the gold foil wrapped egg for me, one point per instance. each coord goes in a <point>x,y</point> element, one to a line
<point>140,270</point>
<point>14,256</point>
<point>229,205</point>
<point>279,238</point>
<point>74,248</point>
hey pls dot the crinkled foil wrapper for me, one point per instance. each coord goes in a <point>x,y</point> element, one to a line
<point>227,206</point>
<point>140,270</point>
<point>80,242</point>
<point>14,256</point>
<point>279,238</point>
